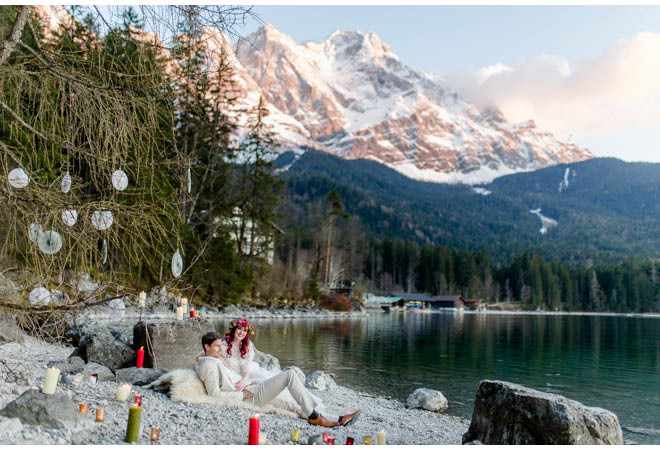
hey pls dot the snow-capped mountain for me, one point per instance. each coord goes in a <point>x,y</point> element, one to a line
<point>351,96</point>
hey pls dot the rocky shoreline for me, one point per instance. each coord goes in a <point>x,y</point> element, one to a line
<point>24,364</point>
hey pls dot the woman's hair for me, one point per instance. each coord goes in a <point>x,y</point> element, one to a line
<point>229,337</point>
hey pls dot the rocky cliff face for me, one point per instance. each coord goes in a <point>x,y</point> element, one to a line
<point>351,96</point>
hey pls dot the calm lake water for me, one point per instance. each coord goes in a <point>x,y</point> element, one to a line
<point>607,361</point>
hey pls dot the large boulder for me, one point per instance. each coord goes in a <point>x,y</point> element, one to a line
<point>266,361</point>
<point>428,399</point>
<point>102,372</point>
<point>299,373</point>
<point>321,381</point>
<point>506,413</point>
<point>103,348</point>
<point>73,364</point>
<point>49,411</point>
<point>171,345</point>
<point>138,377</point>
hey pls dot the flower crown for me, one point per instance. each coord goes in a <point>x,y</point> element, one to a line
<point>242,323</point>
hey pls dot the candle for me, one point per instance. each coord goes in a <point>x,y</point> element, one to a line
<point>123,391</point>
<point>366,440</point>
<point>138,399</point>
<point>100,414</point>
<point>66,378</point>
<point>262,438</point>
<point>93,378</point>
<point>295,435</point>
<point>154,433</point>
<point>330,440</point>
<point>83,408</point>
<point>133,426</point>
<point>179,313</point>
<point>381,437</point>
<point>140,358</point>
<point>315,440</point>
<point>192,313</point>
<point>325,435</point>
<point>77,378</point>
<point>143,298</point>
<point>349,440</point>
<point>184,301</point>
<point>253,434</point>
<point>50,382</point>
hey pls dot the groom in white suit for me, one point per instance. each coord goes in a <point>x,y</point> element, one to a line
<point>214,373</point>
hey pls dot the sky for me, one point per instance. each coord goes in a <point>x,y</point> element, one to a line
<point>590,74</point>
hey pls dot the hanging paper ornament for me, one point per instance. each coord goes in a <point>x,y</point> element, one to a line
<point>119,180</point>
<point>177,264</point>
<point>66,183</point>
<point>102,220</point>
<point>50,242</point>
<point>69,217</point>
<point>117,309</point>
<point>39,296</point>
<point>104,250</point>
<point>189,181</point>
<point>35,232</point>
<point>18,178</point>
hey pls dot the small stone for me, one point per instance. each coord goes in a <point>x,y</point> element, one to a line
<point>321,381</point>
<point>428,399</point>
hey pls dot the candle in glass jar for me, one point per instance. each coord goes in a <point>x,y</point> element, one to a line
<point>100,414</point>
<point>295,435</point>
<point>349,440</point>
<point>123,391</point>
<point>138,399</point>
<point>133,426</point>
<point>366,440</point>
<point>50,382</point>
<point>140,358</point>
<point>83,407</point>
<point>262,438</point>
<point>253,433</point>
<point>192,313</point>
<point>381,437</point>
<point>179,313</point>
<point>154,433</point>
<point>330,440</point>
<point>325,436</point>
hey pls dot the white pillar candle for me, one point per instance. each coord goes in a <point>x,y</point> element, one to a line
<point>143,298</point>
<point>123,391</point>
<point>184,301</point>
<point>381,437</point>
<point>179,313</point>
<point>50,382</point>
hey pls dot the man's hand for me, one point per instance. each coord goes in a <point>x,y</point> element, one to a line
<point>247,395</point>
<point>239,385</point>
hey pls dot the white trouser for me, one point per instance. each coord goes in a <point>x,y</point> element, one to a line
<point>268,389</point>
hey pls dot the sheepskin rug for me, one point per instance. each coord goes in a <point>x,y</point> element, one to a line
<point>185,386</point>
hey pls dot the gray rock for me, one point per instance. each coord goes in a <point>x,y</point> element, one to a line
<point>49,411</point>
<point>266,361</point>
<point>10,331</point>
<point>321,381</point>
<point>171,345</point>
<point>86,285</point>
<point>138,376</point>
<point>73,364</point>
<point>104,349</point>
<point>506,413</point>
<point>76,333</point>
<point>232,309</point>
<point>9,427</point>
<point>104,374</point>
<point>298,371</point>
<point>428,399</point>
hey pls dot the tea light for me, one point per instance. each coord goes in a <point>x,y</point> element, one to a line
<point>123,391</point>
<point>262,438</point>
<point>295,435</point>
<point>100,414</point>
<point>93,378</point>
<point>381,437</point>
<point>154,433</point>
<point>50,382</point>
<point>330,441</point>
<point>366,440</point>
<point>83,408</point>
<point>349,440</point>
<point>179,313</point>
<point>138,399</point>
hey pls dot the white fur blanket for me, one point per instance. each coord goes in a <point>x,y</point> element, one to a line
<point>185,386</point>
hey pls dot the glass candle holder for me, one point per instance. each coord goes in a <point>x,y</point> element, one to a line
<point>138,399</point>
<point>83,408</point>
<point>295,435</point>
<point>325,435</point>
<point>154,433</point>
<point>366,440</point>
<point>349,440</point>
<point>100,414</point>
<point>330,440</point>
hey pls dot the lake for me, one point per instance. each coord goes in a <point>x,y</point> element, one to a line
<point>612,362</point>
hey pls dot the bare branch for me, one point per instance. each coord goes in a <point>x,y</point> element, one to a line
<point>17,30</point>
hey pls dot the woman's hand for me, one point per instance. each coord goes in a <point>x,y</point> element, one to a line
<point>239,385</point>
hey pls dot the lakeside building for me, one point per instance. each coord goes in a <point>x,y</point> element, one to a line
<point>447,301</point>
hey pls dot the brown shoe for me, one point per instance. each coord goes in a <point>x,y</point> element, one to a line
<point>349,419</point>
<point>322,422</point>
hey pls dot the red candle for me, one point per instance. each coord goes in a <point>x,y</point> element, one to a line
<point>253,437</point>
<point>192,313</point>
<point>349,441</point>
<point>140,357</point>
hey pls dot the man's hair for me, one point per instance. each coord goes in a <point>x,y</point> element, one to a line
<point>209,338</point>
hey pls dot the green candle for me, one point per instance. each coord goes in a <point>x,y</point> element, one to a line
<point>133,427</point>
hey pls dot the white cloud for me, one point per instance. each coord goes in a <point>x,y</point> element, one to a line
<point>615,91</point>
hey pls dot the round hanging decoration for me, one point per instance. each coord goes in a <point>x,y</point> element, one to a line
<point>69,217</point>
<point>50,242</point>
<point>35,232</point>
<point>119,180</point>
<point>117,309</point>
<point>102,220</point>
<point>177,264</point>
<point>39,296</point>
<point>66,183</point>
<point>18,178</point>
<point>104,250</point>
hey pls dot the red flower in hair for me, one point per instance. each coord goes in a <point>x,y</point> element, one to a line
<point>229,337</point>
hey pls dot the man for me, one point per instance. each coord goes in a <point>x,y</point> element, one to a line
<point>218,383</point>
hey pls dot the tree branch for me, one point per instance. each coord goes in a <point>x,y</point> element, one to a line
<point>19,24</point>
